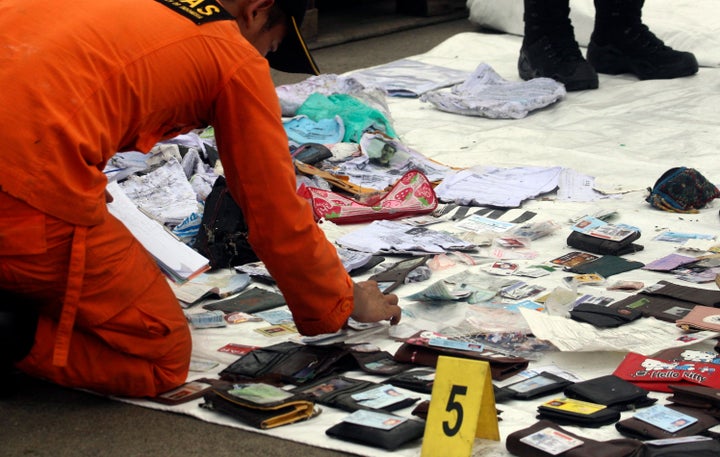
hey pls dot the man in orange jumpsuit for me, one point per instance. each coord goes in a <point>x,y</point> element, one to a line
<point>84,79</point>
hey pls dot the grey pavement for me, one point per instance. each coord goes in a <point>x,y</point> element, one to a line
<point>41,419</point>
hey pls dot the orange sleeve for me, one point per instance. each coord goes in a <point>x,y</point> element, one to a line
<point>254,152</point>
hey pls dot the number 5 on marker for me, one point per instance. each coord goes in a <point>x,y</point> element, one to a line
<point>462,407</point>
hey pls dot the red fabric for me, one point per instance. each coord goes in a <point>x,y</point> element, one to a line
<point>412,195</point>
<point>657,374</point>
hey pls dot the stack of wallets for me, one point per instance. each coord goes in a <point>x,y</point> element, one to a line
<point>259,405</point>
<point>671,421</point>
<point>377,429</point>
<point>569,411</point>
<point>546,438</point>
<point>667,301</point>
<point>541,384</point>
<point>605,245</point>
<point>611,391</point>
<point>424,348</point>
<point>352,394</point>
<point>700,397</point>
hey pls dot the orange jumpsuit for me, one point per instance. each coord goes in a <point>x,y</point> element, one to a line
<point>82,80</point>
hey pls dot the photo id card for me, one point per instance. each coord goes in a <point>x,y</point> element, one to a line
<point>665,418</point>
<point>552,441</point>
<point>382,421</point>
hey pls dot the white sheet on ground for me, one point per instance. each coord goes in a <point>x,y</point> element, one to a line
<point>626,134</point>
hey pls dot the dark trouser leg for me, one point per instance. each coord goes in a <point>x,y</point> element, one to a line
<point>549,48</point>
<point>18,323</point>
<point>621,43</point>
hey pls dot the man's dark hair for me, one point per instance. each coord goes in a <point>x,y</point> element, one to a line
<point>275,16</point>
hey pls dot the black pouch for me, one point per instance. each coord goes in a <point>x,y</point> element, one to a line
<point>610,390</point>
<point>223,235</point>
<point>603,316</point>
<point>263,414</point>
<point>346,394</point>
<point>603,246</point>
<point>536,386</point>
<point>405,432</point>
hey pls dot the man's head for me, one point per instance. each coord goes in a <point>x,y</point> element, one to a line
<point>273,27</point>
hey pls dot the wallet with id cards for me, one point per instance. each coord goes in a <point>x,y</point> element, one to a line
<point>604,246</point>
<point>568,411</point>
<point>352,394</point>
<point>660,421</point>
<point>543,383</point>
<point>545,439</point>
<point>377,429</point>
<point>259,405</point>
<point>420,349</point>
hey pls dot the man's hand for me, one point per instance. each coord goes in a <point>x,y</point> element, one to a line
<point>371,305</point>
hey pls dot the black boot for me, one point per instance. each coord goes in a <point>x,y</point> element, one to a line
<point>18,323</point>
<point>549,48</point>
<point>621,43</point>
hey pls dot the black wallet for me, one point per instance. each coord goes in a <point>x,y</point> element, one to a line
<point>541,384</point>
<point>407,431</point>
<point>417,379</point>
<point>610,390</point>
<point>604,246</point>
<point>603,316</point>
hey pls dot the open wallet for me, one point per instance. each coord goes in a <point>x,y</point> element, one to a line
<point>424,348</point>
<point>294,363</point>
<point>259,405</point>
<point>352,394</point>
